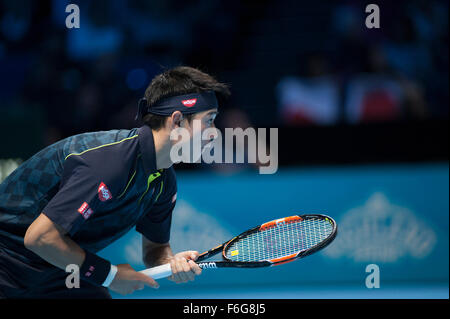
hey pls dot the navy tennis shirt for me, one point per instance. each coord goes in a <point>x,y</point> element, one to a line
<point>97,186</point>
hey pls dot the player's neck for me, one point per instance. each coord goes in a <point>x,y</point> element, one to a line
<point>162,149</point>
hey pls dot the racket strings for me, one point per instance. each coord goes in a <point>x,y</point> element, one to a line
<point>280,241</point>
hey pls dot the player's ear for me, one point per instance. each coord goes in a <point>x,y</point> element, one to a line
<point>175,120</point>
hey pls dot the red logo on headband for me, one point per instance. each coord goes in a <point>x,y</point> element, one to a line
<point>189,103</point>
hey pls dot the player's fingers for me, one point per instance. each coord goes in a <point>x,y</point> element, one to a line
<point>184,270</point>
<point>185,265</point>
<point>188,271</point>
<point>181,270</point>
<point>193,254</point>
<point>188,254</point>
<point>139,286</point>
<point>176,277</point>
<point>195,268</point>
<point>146,280</point>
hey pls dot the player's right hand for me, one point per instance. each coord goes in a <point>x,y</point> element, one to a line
<point>127,280</point>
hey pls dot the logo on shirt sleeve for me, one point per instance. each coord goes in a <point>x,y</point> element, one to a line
<point>174,198</point>
<point>85,210</point>
<point>103,193</point>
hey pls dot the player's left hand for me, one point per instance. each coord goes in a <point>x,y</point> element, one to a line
<point>184,268</point>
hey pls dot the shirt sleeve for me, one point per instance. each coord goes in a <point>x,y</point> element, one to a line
<point>78,195</point>
<point>155,225</point>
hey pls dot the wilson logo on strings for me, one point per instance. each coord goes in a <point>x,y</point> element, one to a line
<point>208,265</point>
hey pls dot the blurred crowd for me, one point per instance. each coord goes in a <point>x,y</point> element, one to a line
<point>90,78</point>
<point>395,73</point>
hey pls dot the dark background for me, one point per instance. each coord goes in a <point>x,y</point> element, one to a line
<point>56,82</point>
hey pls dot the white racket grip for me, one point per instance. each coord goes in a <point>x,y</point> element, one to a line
<point>158,272</point>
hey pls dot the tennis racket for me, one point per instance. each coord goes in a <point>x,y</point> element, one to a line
<point>273,243</point>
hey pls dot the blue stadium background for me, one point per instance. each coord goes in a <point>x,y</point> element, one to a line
<point>393,216</point>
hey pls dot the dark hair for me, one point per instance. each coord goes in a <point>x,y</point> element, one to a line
<point>177,81</point>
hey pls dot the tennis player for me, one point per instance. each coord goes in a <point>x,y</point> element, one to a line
<point>79,195</point>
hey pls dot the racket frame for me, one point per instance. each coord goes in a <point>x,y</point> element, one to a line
<point>226,262</point>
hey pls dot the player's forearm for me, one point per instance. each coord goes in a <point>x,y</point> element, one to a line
<point>59,252</point>
<point>47,241</point>
<point>159,255</point>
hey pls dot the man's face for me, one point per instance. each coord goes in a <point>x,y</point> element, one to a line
<point>206,120</point>
<point>195,127</point>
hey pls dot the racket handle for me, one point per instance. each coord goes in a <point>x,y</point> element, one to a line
<point>158,272</point>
